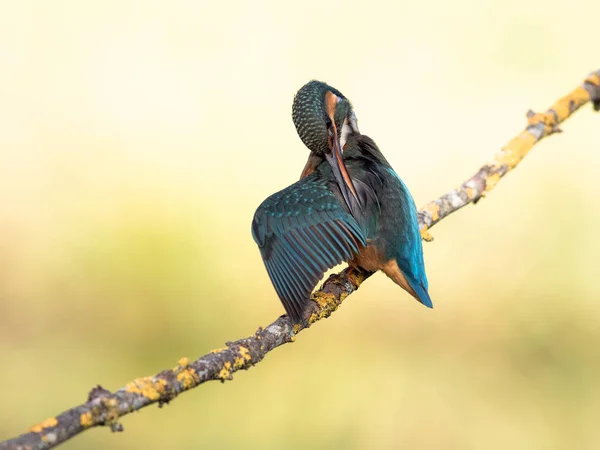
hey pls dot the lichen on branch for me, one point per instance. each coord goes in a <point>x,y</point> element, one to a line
<point>539,125</point>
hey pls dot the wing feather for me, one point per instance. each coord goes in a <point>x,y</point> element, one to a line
<point>302,231</point>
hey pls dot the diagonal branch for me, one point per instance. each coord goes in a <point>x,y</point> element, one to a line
<point>104,407</point>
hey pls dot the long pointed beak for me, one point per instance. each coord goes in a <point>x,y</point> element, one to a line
<point>341,174</point>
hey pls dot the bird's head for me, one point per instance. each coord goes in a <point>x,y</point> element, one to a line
<point>322,115</point>
<point>324,119</point>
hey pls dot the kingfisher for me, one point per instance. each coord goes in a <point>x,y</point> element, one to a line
<point>348,206</point>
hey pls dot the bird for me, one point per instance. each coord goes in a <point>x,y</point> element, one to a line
<point>348,206</point>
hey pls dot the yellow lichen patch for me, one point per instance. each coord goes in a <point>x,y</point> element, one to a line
<point>491,181</point>
<point>513,152</point>
<point>425,234</point>
<point>240,361</point>
<point>579,97</point>
<point>297,327</point>
<point>49,422</point>
<point>594,78</point>
<point>433,210</point>
<point>566,105</point>
<point>315,317</point>
<point>245,353</point>
<point>184,362</point>
<point>188,378</point>
<point>469,192</point>
<point>323,299</point>
<point>562,108</point>
<point>145,386</point>
<point>328,304</point>
<point>86,420</point>
<point>225,373</point>
<point>219,350</point>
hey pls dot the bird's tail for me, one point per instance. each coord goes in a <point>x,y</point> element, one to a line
<point>409,283</point>
<point>421,294</point>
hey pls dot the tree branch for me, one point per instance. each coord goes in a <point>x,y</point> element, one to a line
<point>104,408</point>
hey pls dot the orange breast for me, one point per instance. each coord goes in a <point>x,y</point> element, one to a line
<point>368,258</point>
<point>371,259</point>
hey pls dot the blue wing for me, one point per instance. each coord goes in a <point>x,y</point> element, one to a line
<point>302,231</point>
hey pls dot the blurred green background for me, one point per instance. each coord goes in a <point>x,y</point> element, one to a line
<point>136,141</point>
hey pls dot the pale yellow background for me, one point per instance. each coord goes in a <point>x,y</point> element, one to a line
<point>136,141</point>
